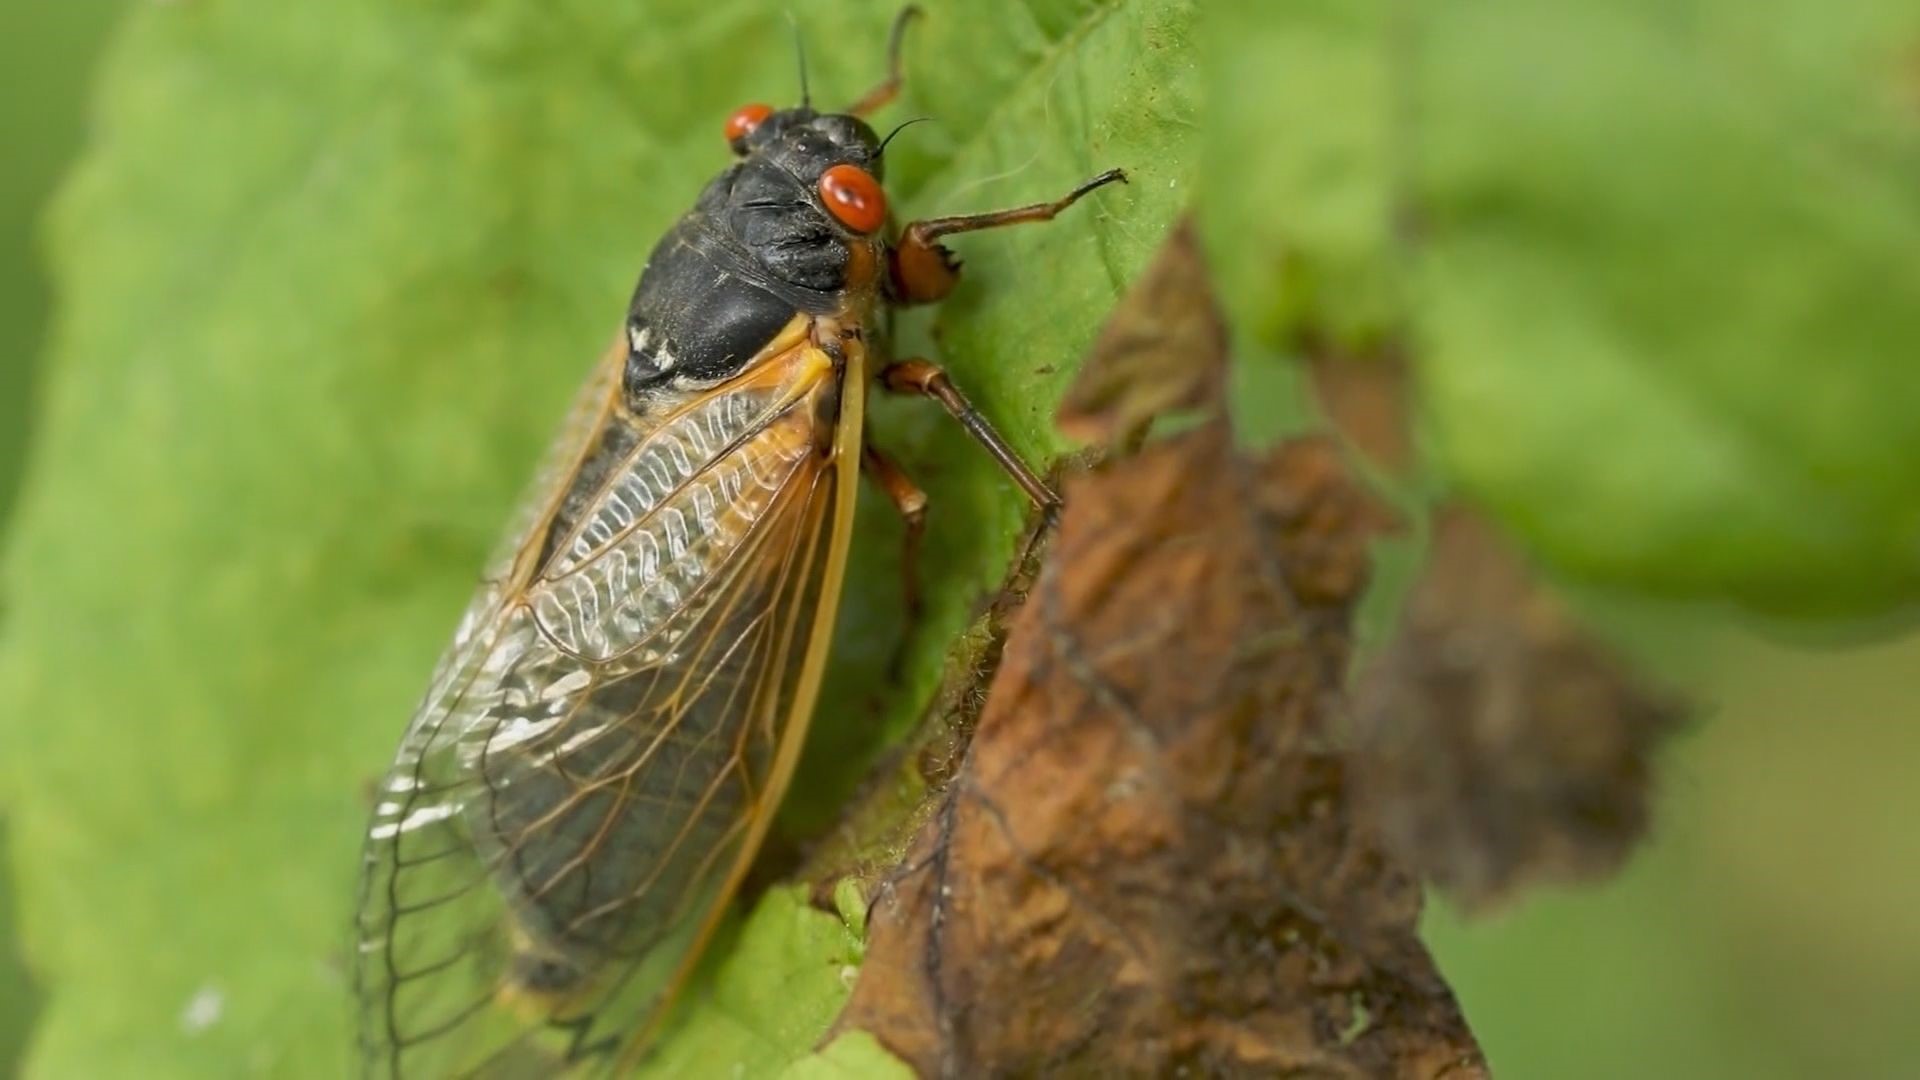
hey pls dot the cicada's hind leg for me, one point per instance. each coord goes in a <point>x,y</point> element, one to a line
<point>911,502</point>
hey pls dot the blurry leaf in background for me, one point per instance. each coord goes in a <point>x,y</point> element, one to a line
<point>1767,929</point>
<point>47,49</point>
<point>1502,741</point>
<point>328,274</point>
<point>1654,263</point>
<point>1501,744</point>
<point>19,997</point>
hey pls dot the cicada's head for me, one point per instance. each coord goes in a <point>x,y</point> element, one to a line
<point>793,227</point>
<point>806,199</point>
<point>793,230</point>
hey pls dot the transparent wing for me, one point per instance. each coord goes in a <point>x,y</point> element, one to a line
<point>589,414</point>
<point>597,758</point>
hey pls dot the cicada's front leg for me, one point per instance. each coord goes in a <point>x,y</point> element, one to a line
<point>922,270</point>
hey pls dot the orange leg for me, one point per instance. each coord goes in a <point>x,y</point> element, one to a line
<point>889,87</point>
<point>907,498</point>
<point>927,379</point>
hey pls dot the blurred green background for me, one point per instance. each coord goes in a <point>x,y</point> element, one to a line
<point>1770,929</point>
<point>48,52</point>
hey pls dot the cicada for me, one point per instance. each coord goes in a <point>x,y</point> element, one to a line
<point>603,745</point>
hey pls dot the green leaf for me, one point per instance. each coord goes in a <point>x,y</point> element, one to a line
<point>19,997</point>
<point>47,50</point>
<point>775,988</point>
<point>1298,209</point>
<point>853,1056</point>
<point>1655,262</point>
<point>327,276</point>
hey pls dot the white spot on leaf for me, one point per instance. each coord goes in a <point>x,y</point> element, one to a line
<point>203,1009</point>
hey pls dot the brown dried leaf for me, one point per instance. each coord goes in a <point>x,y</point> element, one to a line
<point>1365,397</point>
<point>1505,746</point>
<point>1162,351</point>
<point>898,796</point>
<point>1150,861</point>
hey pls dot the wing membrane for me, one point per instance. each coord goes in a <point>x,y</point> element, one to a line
<point>597,758</point>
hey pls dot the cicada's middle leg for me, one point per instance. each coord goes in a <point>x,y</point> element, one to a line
<point>924,378</point>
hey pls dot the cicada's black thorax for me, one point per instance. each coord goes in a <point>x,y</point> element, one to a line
<point>757,249</point>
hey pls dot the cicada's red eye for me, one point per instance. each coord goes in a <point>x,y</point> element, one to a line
<point>854,198</point>
<point>745,119</point>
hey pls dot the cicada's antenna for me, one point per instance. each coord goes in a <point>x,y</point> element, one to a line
<point>800,53</point>
<point>898,128</point>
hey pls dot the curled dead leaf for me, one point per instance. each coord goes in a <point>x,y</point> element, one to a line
<point>1504,745</point>
<point>1365,397</point>
<point>1150,860</point>
<point>1162,351</point>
